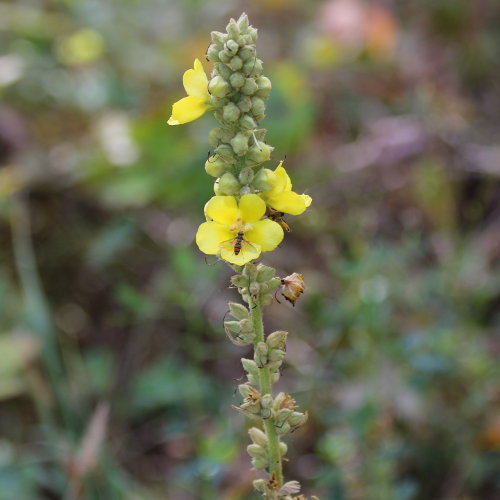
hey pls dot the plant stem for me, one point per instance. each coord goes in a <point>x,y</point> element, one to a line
<point>275,467</point>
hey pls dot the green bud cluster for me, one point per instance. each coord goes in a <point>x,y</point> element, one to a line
<point>258,450</point>
<point>237,90</point>
<point>256,283</point>
<point>240,330</point>
<point>270,490</point>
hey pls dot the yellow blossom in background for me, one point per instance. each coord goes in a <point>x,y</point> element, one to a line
<point>236,232</point>
<point>84,46</point>
<point>282,198</point>
<point>190,108</point>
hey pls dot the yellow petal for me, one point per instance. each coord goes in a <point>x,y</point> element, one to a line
<point>196,82</point>
<point>252,207</point>
<point>222,209</point>
<point>265,233</point>
<point>187,110</point>
<point>210,236</point>
<point>249,251</point>
<point>283,182</point>
<point>288,202</point>
<point>307,199</point>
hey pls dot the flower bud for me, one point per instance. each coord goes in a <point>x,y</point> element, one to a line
<point>283,448</point>
<point>217,103</point>
<point>254,288</point>
<point>250,87</point>
<point>283,429</point>
<point>238,311</point>
<point>256,451</point>
<point>239,281</point>
<point>245,190</point>
<point>282,416</point>
<point>218,86</point>
<point>266,401</point>
<point>228,184</point>
<point>223,71</point>
<point>275,377</point>
<point>225,151</point>
<point>237,80</point>
<point>247,52</point>
<point>231,112</point>
<point>271,285</point>
<point>245,390</point>
<point>250,367</point>
<point>232,29</point>
<point>259,463</point>
<point>277,340</point>
<point>253,67</point>
<point>276,355</point>
<point>232,326</point>
<point>260,485</point>
<point>216,188</point>
<point>214,166</point>
<point>260,354</point>
<point>250,271</point>
<point>213,53</point>
<point>247,122</point>
<point>264,180</point>
<point>259,153</point>
<point>240,339</point>
<point>246,326</point>
<point>243,23</point>
<point>232,47</point>
<point>245,103</point>
<point>239,143</point>
<point>264,85</point>
<point>258,106</point>
<point>245,177</point>
<point>235,63</point>
<point>279,400</point>
<point>265,273</point>
<point>218,38</point>
<point>214,137</point>
<point>258,437</point>
<point>297,419</point>
<point>252,33</point>
<point>224,56</point>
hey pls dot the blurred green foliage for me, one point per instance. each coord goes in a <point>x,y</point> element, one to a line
<point>388,116</point>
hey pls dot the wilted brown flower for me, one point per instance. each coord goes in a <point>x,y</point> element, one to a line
<point>292,286</point>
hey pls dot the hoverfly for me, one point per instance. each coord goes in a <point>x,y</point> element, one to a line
<point>277,216</point>
<point>238,243</point>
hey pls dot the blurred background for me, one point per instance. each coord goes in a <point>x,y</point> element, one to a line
<point>116,378</point>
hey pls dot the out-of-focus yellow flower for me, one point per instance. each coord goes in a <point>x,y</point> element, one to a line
<point>84,46</point>
<point>190,108</point>
<point>282,198</point>
<point>235,231</point>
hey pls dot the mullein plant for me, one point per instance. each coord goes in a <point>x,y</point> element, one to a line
<point>244,219</point>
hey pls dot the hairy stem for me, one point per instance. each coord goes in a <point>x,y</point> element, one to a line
<point>275,466</point>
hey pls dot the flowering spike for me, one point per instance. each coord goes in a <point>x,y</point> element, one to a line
<point>243,220</point>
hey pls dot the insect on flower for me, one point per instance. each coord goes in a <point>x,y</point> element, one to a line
<point>277,217</point>
<point>235,231</point>
<point>237,243</point>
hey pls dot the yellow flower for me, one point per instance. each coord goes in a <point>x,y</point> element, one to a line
<point>282,198</point>
<point>235,232</point>
<point>192,107</point>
